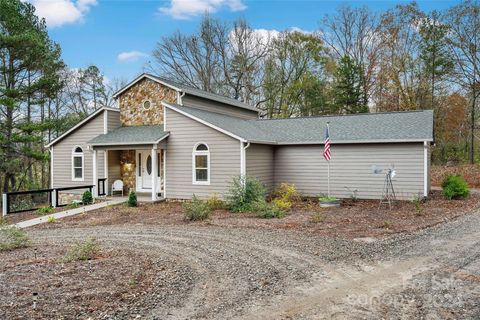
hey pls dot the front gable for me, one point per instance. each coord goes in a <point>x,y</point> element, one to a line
<point>131,102</point>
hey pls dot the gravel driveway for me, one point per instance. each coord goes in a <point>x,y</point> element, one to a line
<point>224,273</point>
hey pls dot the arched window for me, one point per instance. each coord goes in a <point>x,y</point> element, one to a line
<point>201,164</point>
<point>77,164</point>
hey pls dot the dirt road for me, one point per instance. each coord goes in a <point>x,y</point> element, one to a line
<point>223,273</point>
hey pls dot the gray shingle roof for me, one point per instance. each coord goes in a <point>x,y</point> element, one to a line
<point>204,94</point>
<point>131,135</point>
<point>371,127</point>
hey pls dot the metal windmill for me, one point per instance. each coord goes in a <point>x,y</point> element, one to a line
<point>388,193</point>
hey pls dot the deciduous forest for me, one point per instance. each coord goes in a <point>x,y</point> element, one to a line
<point>358,60</point>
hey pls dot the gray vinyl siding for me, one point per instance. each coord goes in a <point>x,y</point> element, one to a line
<point>224,158</point>
<point>113,168</point>
<point>113,120</point>
<point>351,166</point>
<point>218,107</point>
<point>62,155</point>
<point>260,163</point>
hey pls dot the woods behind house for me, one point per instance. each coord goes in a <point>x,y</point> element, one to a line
<point>358,60</point>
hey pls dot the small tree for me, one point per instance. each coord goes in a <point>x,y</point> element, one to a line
<point>87,197</point>
<point>132,199</point>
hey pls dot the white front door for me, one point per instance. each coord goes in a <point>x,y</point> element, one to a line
<point>147,170</point>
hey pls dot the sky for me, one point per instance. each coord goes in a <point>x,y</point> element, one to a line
<point>119,35</point>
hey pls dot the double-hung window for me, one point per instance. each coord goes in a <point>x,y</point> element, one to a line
<point>201,164</point>
<point>77,164</point>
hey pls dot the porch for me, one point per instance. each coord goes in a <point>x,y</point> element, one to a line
<point>135,156</point>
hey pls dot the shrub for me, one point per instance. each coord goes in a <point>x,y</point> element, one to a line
<point>12,238</point>
<point>266,210</point>
<point>287,192</point>
<point>282,204</point>
<point>132,199</point>
<point>215,203</point>
<point>196,209</point>
<point>44,210</point>
<point>418,203</point>
<point>87,197</point>
<point>244,191</point>
<point>82,250</point>
<point>455,187</point>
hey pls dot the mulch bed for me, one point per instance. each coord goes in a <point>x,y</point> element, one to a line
<point>73,290</point>
<point>358,219</point>
<point>471,173</point>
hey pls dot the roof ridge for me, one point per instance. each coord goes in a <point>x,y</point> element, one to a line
<point>178,84</point>
<point>345,115</point>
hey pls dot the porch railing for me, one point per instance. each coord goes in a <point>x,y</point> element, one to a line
<point>101,187</point>
<point>23,201</point>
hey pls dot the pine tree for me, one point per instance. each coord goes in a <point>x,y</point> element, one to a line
<point>348,87</point>
<point>29,65</point>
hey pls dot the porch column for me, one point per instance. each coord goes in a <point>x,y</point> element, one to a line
<point>94,169</point>
<point>154,172</point>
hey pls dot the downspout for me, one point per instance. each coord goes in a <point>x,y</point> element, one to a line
<point>243,158</point>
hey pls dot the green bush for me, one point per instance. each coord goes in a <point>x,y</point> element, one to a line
<point>196,209</point>
<point>44,210</point>
<point>244,192</point>
<point>215,203</point>
<point>12,238</point>
<point>455,187</point>
<point>87,197</point>
<point>266,210</point>
<point>82,250</point>
<point>132,199</point>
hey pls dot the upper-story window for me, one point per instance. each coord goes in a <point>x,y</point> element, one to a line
<point>147,104</point>
<point>201,164</point>
<point>78,161</point>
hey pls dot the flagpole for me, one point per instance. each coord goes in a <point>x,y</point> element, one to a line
<point>328,166</point>
<point>328,193</point>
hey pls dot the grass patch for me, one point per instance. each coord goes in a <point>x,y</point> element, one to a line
<point>82,251</point>
<point>51,219</point>
<point>45,210</point>
<point>318,217</point>
<point>12,238</point>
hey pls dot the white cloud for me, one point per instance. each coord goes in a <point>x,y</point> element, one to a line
<point>60,12</point>
<point>297,29</point>
<point>186,9</point>
<point>131,56</point>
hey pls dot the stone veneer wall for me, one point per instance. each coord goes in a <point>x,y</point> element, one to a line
<point>131,101</point>
<point>127,169</point>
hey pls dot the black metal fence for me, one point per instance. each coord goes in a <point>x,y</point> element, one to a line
<point>57,191</point>
<point>23,201</point>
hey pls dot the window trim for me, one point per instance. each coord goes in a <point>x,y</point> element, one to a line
<point>74,155</point>
<point>195,153</point>
<point>149,102</point>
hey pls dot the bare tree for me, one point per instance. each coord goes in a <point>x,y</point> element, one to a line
<point>399,68</point>
<point>464,40</point>
<point>193,59</point>
<point>354,32</point>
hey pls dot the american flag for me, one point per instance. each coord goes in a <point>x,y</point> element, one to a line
<point>326,146</point>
